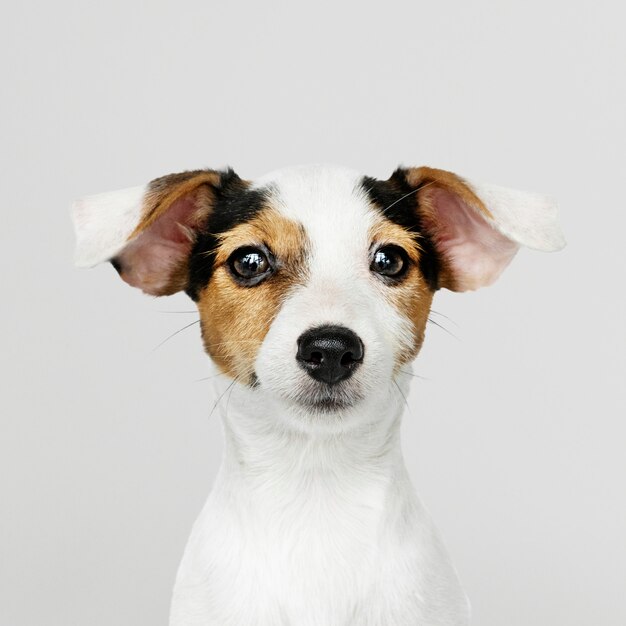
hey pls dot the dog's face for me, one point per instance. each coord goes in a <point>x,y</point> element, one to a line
<point>313,284</point>
<point>315,294</point>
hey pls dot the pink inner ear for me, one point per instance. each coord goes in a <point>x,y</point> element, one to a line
<point>152,260</point>
<point>476,252</point>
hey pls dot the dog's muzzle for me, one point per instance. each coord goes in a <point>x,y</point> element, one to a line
<point>329,354</point>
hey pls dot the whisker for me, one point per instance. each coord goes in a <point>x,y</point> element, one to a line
<point>199,380</point>
<point>403,396</point>
<point>444,316</point>
<point>233,342</point>
<point>406,195</point>
<point>222,395</point>
<point>410,193</point>
<point>228,400</point>
<point>180,330</point>
<point>176,311</point>
<point>443,328</point>
<point>414,375</point>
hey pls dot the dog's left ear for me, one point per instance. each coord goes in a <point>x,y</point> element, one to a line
<point>477,229</point>
<point>146,232</point>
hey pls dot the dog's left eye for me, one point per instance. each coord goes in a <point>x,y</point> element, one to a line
<point>249,265</point>
<point>389,261</point>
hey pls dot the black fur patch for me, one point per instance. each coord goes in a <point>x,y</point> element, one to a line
<point>397,201</point>
<point>117,264</point>
<point>235,203</point>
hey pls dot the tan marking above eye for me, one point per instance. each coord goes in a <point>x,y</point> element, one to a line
<point>236,318</point>
<point>285,238</point>
<point>384,233</point>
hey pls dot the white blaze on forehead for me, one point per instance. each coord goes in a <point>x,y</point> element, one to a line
<point>336,215</point>
<point>334,210</point>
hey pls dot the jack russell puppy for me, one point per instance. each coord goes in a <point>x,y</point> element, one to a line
<point>313,286</point>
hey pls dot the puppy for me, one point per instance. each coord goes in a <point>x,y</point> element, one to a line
<point>313,286</point>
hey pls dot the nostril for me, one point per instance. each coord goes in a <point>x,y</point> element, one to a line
<point>316,357</point>
<point>347,359</point>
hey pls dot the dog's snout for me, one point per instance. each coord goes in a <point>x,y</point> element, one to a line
<point>329,353</point>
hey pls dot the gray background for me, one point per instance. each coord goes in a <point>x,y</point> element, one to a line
<point>516,441</point>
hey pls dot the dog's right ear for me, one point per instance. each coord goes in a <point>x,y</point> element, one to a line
<point>146,232</point>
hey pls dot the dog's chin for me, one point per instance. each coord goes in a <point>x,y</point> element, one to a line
<point>327,400</point>
<point>327,405</point>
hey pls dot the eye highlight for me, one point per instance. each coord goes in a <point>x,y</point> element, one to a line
<point>389,261</point>
<point>249,265</point>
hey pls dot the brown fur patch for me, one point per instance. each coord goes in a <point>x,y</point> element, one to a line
<point>412,296</point>
<point>235,318</point>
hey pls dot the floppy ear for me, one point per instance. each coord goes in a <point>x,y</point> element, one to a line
<point>146,232</point>
<point>477,229</point>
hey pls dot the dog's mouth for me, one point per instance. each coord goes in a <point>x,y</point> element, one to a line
<point>324,398</point>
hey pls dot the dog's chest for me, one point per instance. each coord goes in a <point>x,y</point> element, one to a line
<point>314,557</point>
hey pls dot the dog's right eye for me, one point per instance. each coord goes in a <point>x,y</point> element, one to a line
<point>250,265</point>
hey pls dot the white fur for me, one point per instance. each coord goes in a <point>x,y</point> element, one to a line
<point>312,520</point>
<point>104,222</point>
<point>529,219</point>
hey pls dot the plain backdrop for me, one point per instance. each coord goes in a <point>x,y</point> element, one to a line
<point>515,439</point>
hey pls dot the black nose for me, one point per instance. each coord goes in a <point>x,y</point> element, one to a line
<point>329,353</point>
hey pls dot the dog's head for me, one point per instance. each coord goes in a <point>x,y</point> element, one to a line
<point>313,284</point>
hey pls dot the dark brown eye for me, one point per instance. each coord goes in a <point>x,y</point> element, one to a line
<point>389,261</point>
<point>249,265</point>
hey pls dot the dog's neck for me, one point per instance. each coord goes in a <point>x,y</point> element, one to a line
<point>267,444</point>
